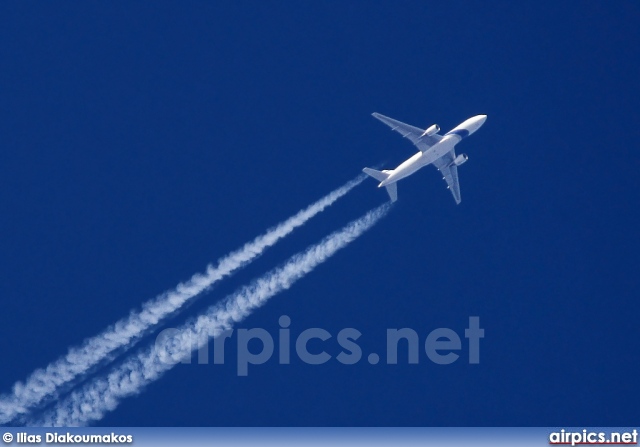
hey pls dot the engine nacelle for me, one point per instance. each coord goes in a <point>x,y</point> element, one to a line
<point>431,131</point>
<point>460,159</point>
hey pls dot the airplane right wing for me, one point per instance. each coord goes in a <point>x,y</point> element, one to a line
<point>449,172</point>
<point>412,133</point>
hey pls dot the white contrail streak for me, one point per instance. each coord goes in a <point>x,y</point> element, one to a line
<point>104,394</point>
<point>44,383</point>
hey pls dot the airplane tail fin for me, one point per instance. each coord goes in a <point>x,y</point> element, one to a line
<point>381,176</point>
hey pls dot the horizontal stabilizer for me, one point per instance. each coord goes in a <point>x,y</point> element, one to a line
<point>378,175</point>
<point>392,189</point>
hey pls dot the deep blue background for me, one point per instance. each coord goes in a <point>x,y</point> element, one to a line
<point>140,141</point>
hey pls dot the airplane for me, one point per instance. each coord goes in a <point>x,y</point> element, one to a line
<point>435,149</point>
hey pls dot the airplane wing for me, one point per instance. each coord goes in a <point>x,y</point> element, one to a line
<point>449,172</point>
<point>412,133</point>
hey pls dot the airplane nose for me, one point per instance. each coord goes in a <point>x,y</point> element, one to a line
<point>474,123</point>
<point>477,122</point>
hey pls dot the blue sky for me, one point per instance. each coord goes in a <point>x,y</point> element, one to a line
<point>141,141</point>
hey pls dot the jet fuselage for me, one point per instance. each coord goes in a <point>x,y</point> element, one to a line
<point>448,142</point>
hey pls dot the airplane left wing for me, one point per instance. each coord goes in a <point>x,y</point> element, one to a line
<point>449,172</point>
<point>413,134</point>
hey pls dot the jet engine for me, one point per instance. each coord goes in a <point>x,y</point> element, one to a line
<point>431,131</point>
<point>460,159</point>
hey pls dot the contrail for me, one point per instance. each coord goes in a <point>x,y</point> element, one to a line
<point>104,394</point>
<point>44,383</point>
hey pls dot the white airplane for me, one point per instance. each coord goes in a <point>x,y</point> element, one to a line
<point>438,150</point>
